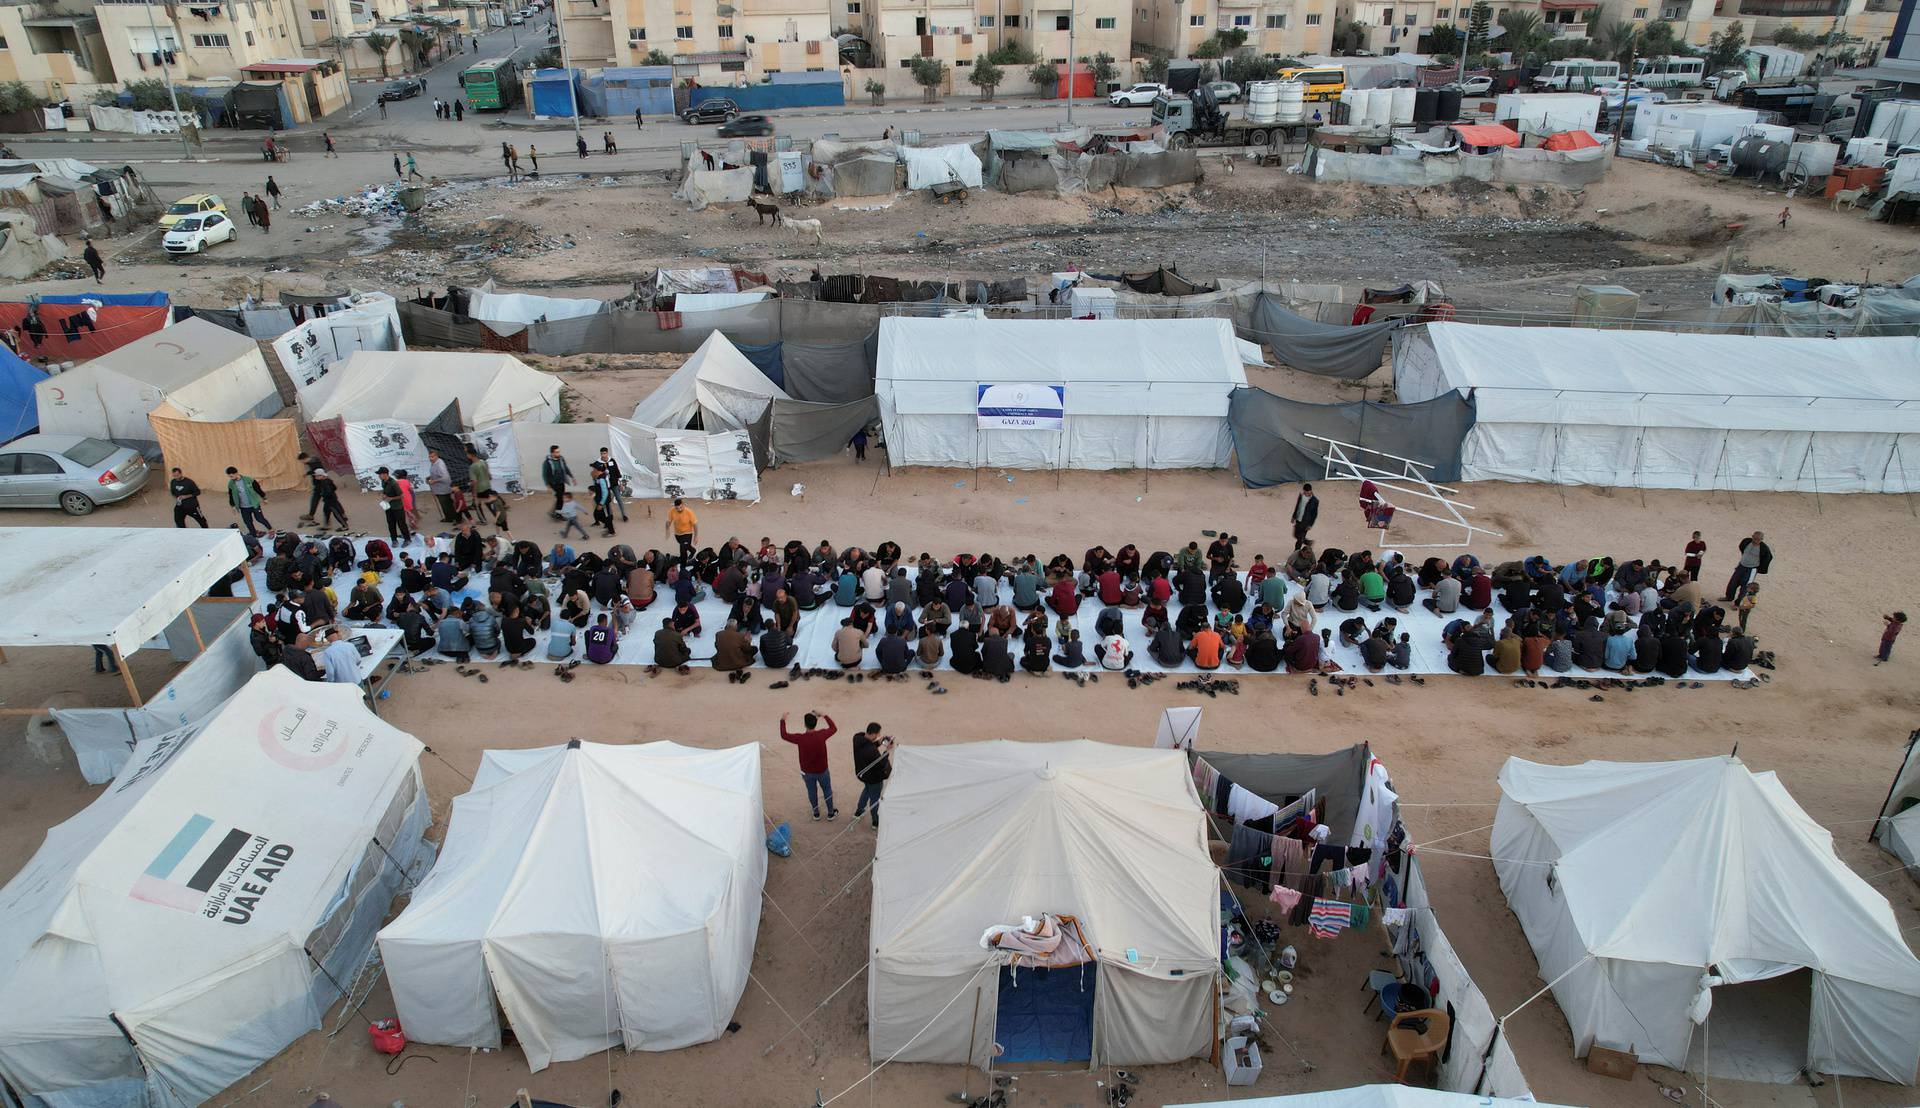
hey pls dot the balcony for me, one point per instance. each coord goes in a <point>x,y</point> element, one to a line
<point>1789,9</point>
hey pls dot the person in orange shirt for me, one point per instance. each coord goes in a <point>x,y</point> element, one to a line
<point>1205,649</point>
<point>684,527</point>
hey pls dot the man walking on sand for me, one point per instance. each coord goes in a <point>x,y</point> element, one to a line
<point>813,758</point>
<point>684,527</point>
<point>1755,557</point>
<point>872,764</point>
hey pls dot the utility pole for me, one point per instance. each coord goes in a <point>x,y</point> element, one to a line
<point>566,65</point>
<point>1070,22</point>
<point>160,46</point>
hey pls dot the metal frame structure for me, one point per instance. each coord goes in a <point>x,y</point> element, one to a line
<point>1342,467</point>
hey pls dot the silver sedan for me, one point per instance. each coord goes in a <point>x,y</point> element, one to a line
<point>71,472</point>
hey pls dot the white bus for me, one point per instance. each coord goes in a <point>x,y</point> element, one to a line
<point>1577,75</point>
<point>1672,71</point>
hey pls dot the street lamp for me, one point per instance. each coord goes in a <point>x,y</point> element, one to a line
<point>173,97</point>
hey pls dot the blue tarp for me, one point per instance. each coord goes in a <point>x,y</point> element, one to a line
<point>19,414</point>
<point>761,98</point>
<point>766,358</point>
<point>554,92</point>
<point>112,299</point>
<point>1046,1015</point>
<point>647,87</point>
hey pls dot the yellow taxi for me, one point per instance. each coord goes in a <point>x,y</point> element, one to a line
<point>199,203</point>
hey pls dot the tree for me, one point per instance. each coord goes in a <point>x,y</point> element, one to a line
<point>1443,39</point>
<point>149,95</point>
<point>929,74</point>
<point>15,96</point>
<point>416,45</point>
<point>1013,53</point>
<point>1618,41</point>
<point>1479,26</point>
<point>657,56</point>
<point>547,59</point>
<point>1350,36</point>
<point>1249,67</point>
<point>1725,47</point>
<point>1208,48</point>
<point>1524,32</point>
<point>1658,40</point>
<point>1045,78</point>
<point>1153,65</point>
<point>380,42</point>
<point>877,90</point>
<point>1104,71</point>
<point>986,76</point>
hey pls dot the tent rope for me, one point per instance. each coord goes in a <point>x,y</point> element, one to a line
<point>817,1009</point>
<point>916,1035</point>
<point>790,923</point>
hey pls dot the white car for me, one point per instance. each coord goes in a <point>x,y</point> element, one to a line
<point>1136,96</point>
<point>197,232</point>
<point>1477,86</point>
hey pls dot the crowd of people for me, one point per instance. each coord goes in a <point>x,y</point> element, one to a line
<point>494,597</point>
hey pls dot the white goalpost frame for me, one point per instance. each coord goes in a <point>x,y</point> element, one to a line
<point>1342,467</point>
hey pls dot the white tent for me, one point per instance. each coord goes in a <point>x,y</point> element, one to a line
<point>203,370</point>
<point>718,384</point>
<point>1660,409</point>
<point>981,834</point>
<point>191,922</point>
<point>1899,827</point>
<point>71,586</point>
<point>413,386</point>
<point>594,894</point>
<point>1137,393</point>
<point>1371,1096</point>
<point>1633,880</point>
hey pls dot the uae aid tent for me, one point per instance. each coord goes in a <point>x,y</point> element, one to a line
<point>1635,881</point>
<point>596,895</point>
<point>414,386</point>
<point>717,384</point>
<point>194,370</point>
<point>1126,393</point>
<point>982,834</point>
<point>191,922</point>
<point>1662,409</point>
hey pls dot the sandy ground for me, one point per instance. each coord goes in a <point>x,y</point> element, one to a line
<point>1840,561</point>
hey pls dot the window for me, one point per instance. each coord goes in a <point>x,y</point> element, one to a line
<point>3,42</point>
<point>962,63</point>
<point>1243,21</point>
<point>1276,23</point>
<point>1413,19</point>
<point>34,465</point>
<point>738,67</point>
<point>1639,13</point>
<point>636,34</point>
<point>210,41</point>
<point>986,21</point>
<point>1062,22</point>
<point>316,16</point>
<point>853,7</point>
<point>1313,19</point>
<point>1443,13</point>
<point>249,38</point>
<point>726,30</point>
<point>1196,21</point>
<point>1104,24</point>
<point>906,63</point>
<point>1010,22</point>
<point>683,32</point>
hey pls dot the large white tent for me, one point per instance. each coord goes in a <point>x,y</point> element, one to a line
<point>1371,1096</point>
<point>415,386</point>
<point>718,384</point>
<point>1633,881</point>
<point>981,834</point>
<point>596,895</point>
<point>1660,409</point>
<point>70,586</point>
<point>1137,393</point>
<point>202,370</point>
<point>190,923</point>
<point>1898,829</point>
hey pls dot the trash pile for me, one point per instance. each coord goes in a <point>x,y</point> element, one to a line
<point>373,200</point>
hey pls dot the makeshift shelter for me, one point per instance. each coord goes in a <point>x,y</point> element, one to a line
<point>595,895</point>
<point>19,411</point>
<point>1898,828</point>
<point>24,251</point>
<point>1057,394</point>
<point>1658,897</point>
<point>1607,407</point>
<point>201,914</point>
<point>1570,140</point>
<point>1372,1096</point>
<point>358,321</point>
<point>1485,136</point>
<point>194,370</point>
<point>981,834</point>
<point>414,387</point>
<point>717,389</point>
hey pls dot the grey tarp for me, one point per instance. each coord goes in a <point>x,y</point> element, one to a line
<point>1271,449</point>
<point>804,432</point>
<point>1337,777</point>
<point>442,434</point>
<point>1328,349</point>
<point>648,332</point>
<point>830,373</point>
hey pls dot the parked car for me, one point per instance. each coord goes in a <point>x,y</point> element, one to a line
<point>1477,86</point>
<point>197,232</point>
<point>71,472</point>
<point>516,19</point>
<point>196,204</point>
<point>1226,92</point>
<point>1613,94</point>
<point>1137,96</point>
<point>711,111</point>
<point>406,88</point>
<point>745,126</point>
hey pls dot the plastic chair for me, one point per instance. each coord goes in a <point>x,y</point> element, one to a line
<point>1410,1043</point>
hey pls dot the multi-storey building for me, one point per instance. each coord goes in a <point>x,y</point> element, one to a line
<point>714,43</point>
<point>1283,27</point>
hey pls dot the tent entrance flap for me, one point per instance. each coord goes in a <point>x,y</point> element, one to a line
<point>1756,1031</point>
<point>1046,1014</point>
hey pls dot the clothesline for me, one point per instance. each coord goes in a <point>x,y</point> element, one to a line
<point>1444,838</point>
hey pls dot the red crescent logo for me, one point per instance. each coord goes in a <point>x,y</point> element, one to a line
<point>59,394</point>
<point>277,749</point>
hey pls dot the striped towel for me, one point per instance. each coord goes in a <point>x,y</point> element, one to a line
<point>1328,918</point>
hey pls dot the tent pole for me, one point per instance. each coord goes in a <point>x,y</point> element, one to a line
<point>194,625</point>
<point>126,674</point>
<point>1913,740</point>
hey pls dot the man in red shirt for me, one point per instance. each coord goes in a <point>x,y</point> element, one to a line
<point>1696,554</point>
<point>813,758</point>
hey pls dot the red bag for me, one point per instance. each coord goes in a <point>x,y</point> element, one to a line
<point>387,1036</point>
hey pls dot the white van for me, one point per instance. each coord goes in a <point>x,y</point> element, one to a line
<point>1577,75</point>
<point>1672,71</point>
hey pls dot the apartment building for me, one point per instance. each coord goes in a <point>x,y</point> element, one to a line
<point>322,21</point>
<point>901,30</point>
<point>1289,28</point>
<point>1099,26</point>
<point>713,43</point>
<point>49,50</point>
<point>1393,26</point>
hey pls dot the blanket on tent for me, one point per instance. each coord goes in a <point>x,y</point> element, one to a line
<point>817,627</point>
<point>1270,447</point>
<point>1328,349</point>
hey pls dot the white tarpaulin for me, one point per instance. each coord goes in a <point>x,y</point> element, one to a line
<point>1653,872</point>
<point>1140,393</point>
<point>107,118</point>
<point>709,467</point>
<point>1606,407</point>
<point>163,942</point>
<point>717,384</point>
<point>1371,1096</point>
<point>371,321</point>
<point>704,187</point>
<point>414,387</point>
<point>121,586</point>
<point>979,834</point>
<point>596,895</point>
<point>392,443</point>
<point>714,301</point>
<point>936,165</point>
<point>203,370</point>
<point>520,307</point>
<point>499,446</point>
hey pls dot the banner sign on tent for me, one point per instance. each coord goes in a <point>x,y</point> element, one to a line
<point>682,459</point>
<point>710,467</point>
<point>730,454</point>
<point>392,443</point>
<point>364,321</point>
<point>496,444</point>
<point>1020,407</point>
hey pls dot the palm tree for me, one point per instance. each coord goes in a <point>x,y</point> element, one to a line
<point>1618,41</point>
<point>380,42</point>
<point>1524,30</point>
